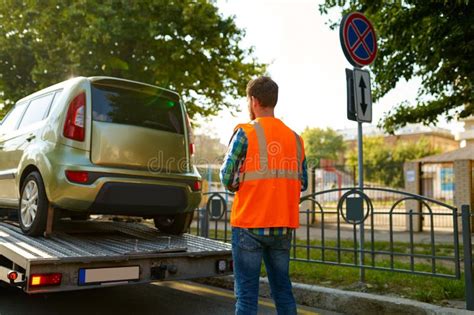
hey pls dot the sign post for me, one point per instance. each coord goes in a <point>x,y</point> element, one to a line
<point>358,41</point>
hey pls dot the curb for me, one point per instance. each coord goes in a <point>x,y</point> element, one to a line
<point>346,302</point>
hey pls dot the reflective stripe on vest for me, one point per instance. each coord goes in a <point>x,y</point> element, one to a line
<point>262,146</point>
<point>264,172</point>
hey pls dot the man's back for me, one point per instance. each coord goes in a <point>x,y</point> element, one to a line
<point>269,179</point>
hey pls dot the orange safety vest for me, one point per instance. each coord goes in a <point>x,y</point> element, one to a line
<point>270,177</point>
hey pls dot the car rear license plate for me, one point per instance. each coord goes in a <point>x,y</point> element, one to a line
<point>107,275</point>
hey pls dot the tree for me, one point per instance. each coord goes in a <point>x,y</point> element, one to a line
<point>186,46</point>
<point>322,144</point>
<point>209,150</point>
<point>384,164</point>
<point>433,40</point>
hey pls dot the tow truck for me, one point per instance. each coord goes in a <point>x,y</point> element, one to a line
<point>91,254</point>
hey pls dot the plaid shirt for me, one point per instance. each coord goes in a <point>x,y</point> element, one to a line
<point>230,170</point>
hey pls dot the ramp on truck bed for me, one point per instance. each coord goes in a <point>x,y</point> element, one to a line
<point>88,254</point>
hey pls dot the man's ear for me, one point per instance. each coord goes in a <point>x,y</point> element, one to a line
<point>255,102</point>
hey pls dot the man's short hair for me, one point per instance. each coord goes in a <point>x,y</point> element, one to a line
<point>265,90</point>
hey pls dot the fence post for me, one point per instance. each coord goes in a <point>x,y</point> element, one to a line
<point>204,222</point>
<point>413,184</point>
<point>466,241</point>
<point>313,191</point>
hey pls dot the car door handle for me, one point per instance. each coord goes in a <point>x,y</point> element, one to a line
<point>30,137</point>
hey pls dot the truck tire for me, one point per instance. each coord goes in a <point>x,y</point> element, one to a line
<point>174,224</point>
<point>33,205</point>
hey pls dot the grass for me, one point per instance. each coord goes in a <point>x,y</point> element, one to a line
<point>418,287</point>
<point>423,288</point>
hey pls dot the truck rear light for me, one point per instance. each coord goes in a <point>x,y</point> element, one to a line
<point>74,126</point>
<point>12,276</point>
<point>197,185</point>
<point>192,148</point>
<point>45,279</point>
<point>77,176</point>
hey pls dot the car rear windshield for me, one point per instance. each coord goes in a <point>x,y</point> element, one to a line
<point>136,104</point>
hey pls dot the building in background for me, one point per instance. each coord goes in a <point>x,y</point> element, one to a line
<point>439,138</point>
<point>449,176</point>
<point>467,136</point>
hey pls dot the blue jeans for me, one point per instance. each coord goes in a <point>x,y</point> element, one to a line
<point>247,251</point>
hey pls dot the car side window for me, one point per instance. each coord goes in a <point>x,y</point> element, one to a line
<point>11,120</point>
<point>36,110</point>
<point>57,96</point>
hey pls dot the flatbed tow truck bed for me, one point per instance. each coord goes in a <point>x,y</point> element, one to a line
<point>91,254</point>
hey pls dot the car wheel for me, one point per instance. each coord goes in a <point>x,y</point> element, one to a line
<point>174,224</point>
<point>33,209</point>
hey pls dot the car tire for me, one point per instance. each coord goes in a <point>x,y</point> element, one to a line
<point>174,224</point>
<point>33,205</point>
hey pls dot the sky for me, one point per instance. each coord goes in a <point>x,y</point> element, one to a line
<point>306,60</point>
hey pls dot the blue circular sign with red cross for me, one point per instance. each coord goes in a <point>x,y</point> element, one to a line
<point>358,40</point>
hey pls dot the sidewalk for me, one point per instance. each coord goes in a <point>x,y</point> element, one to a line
<point>346,302</point>
<point>347,234</point>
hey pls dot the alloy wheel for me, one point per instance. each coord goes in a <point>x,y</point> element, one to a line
<point>29,203</point>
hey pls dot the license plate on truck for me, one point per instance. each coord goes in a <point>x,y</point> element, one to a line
<point>107,275</point>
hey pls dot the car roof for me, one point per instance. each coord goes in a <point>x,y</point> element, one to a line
<point>105,78</point>
<point>67,83</point>
<point>57,86</point>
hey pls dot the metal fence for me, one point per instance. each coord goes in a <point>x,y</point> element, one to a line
<point>344,231</point>
<point>437,183</point>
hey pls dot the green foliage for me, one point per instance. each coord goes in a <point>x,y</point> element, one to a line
<point>209,150</point>
<point>384,164</point>
<point>186,46</point>
<point>433,40</point>
<point>2,113</point>
<point>322,144</point>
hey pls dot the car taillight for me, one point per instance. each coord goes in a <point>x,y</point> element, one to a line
<point>75,120</point>
<point>190,136</point>
<point>197,185</point>
<point>77,176</point>
<point>45,279</point>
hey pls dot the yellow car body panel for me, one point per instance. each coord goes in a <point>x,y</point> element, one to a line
<point>115,156</point>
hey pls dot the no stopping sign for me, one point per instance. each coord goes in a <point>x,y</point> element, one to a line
<point>358,41</point>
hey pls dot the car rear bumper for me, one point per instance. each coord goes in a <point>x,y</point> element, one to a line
<point>126,194</point>
<point>146,199</point>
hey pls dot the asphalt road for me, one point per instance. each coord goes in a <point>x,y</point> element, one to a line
<point>161,298</point>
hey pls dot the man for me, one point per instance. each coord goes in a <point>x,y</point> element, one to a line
<point>266,167</point>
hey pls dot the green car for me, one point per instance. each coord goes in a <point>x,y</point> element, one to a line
<point>99,145</point>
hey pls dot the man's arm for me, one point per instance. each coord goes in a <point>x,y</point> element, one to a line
<point>234,158</point>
